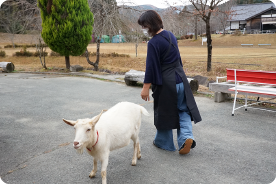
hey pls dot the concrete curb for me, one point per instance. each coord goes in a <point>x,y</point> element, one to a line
<point>109,77</point>
<point>116,78</point>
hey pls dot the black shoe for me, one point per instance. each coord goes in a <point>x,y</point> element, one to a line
<point>193,145</point>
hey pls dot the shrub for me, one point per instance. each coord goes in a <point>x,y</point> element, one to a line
<point>89,54</point>
<point>187,36</point>
<point>191,36</point>
<point>2,53</point>
<point>177,37</point>
<point>182,37</point>
<point>23,52</point>
<point>118,55</point>
<point>37,54</point>
<point>27,46</point>
<point>54,54</point>
<point>10,46</point>
<point>237,33</point>
<point>113,54</point>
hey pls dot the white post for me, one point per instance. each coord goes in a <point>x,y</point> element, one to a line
<point>236,92</point>
<point>204,39</point>
<point>120,37</point>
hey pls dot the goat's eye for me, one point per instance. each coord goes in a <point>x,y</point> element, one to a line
<point>88,130</point>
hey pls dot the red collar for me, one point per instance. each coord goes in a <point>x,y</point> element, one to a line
<point>96,141</point>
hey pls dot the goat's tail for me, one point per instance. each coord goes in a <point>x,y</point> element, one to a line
<point>144,111</point>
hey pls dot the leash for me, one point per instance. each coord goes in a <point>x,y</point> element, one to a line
<point>146,103</point>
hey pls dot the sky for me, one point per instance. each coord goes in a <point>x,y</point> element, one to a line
<point>157,3</point>
<point>160,3</point>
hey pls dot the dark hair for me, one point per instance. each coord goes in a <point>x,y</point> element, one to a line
<point>151,20</point>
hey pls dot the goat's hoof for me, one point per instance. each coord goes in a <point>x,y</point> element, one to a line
<point>133,163</point>
<point>92,175</point>
<point>139,157</point>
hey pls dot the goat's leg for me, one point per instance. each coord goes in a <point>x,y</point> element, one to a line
<point>103,172</point>
<point>94,171</point>
<point>136,149</point>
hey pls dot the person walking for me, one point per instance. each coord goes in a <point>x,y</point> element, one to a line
<point>174,103</point>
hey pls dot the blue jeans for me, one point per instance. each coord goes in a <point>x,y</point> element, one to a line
<point>164,138</point>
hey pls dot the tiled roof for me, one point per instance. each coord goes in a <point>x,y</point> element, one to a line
<point>243,12</point>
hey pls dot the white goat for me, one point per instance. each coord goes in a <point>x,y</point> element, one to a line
<point>109,131</point>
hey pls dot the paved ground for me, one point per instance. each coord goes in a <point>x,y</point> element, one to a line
<point>36,146</point>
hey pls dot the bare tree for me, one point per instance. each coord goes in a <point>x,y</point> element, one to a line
<point>41,49</point>
<point>106,21</point>
<point>18,16</point>
<point>171,20</point>
<point>225,13</point>
<point>204,9</point>
<point>111,19</point>
<point>184,19</point>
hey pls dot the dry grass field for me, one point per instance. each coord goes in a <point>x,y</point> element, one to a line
<point>227,53</point>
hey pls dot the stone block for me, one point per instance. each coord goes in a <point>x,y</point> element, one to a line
<point>75,68</point>
<point>134,76</point>
<point>6,67</point>
<point>194,85</point>
<point>221,97</point>
<point>201,80</point>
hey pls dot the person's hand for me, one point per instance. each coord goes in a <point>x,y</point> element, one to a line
<point>145,92</point>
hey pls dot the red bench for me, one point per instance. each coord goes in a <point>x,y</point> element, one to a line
<point>252,81</point>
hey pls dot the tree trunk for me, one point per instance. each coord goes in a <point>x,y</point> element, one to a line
<point>67,61</point>
<point>41,49</point>
<point>98,55</point>
<point>49,6</point>
<point>96,63</point>
<point>209,46</point>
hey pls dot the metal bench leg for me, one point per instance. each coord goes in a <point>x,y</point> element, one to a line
<point>234,105</point>
<point>245,102</point>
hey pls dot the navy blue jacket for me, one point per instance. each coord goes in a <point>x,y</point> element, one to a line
<point>157,48</point>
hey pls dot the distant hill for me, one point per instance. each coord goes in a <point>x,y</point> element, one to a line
<point>147,7</point>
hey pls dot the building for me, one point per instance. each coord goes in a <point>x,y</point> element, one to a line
<point>254,18</point>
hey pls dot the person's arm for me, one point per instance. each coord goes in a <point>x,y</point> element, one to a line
<point>153,71</point>
<point>145,92</point>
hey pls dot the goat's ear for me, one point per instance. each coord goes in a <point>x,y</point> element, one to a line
<point>69,122</point>
<point>96,119</point>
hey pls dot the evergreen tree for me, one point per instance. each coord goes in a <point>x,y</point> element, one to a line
<point>66,26</point>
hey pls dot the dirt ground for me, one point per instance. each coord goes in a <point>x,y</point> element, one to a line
<point>227,53</point>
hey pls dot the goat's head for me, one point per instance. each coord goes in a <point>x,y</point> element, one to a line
<point>84,131</point>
